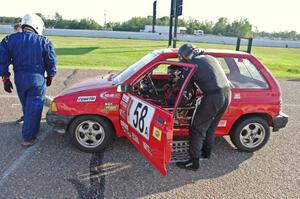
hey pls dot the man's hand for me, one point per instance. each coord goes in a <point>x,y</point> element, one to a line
<point>8,87</point>
<point>49,81</point>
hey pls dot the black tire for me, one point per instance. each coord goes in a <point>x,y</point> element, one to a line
<point>97,131</point>
<point>241,134</point>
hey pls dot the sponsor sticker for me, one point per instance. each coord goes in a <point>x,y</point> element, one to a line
<point>222,123</point>
<point>111,108</point>
<point>237,96</point>
<point>122,113</point>
<point>135,138</point>
<point>86,99</point>
<point>124,125</point>
<point>106,95</point>
<point>157,133</point>
<point>128,134</point>
<point>125,98</point>
<point>147,148</point>
<point>123,104</point>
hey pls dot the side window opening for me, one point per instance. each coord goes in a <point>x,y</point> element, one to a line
<point>242,73</point>
<point>150,86</point>
<point>166,94</point>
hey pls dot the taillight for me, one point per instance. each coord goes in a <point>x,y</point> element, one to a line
<point>53,107</point>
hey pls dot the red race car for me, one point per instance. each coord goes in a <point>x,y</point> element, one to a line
<point>132,104</point>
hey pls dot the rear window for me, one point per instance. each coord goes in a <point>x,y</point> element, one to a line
<point>242,73</point>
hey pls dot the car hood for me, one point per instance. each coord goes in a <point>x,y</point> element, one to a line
<point>89,84</point>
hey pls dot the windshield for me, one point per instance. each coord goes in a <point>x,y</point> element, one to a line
<point>125,74</point>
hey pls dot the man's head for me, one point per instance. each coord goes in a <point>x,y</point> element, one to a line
<point>174,74</point>
<point>17,27</point>
<point>187,52</point>
<point>33,21</point>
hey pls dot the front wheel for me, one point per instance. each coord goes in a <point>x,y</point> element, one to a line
<point>250,134</point>
<point>91,133</point>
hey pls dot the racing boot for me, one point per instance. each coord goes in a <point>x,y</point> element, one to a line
<point>191,164</point>
<point>20,120</point>
<point>28,143</point>
<point>206,153</point>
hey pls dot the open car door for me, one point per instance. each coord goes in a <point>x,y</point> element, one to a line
<point>149,126</point>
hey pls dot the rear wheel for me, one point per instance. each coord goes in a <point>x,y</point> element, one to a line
<point>250,134</point>
<point>91,133</point>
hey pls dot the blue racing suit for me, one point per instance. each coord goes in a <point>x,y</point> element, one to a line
<point>32,56</point>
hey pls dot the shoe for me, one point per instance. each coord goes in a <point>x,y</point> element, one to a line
<point>28,143</point>
<point>21,120</point>
<point>205,154</point>
<point>205,157</point>
<point>191,164</point>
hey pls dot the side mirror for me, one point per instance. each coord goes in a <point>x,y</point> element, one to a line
<point>123,88</point>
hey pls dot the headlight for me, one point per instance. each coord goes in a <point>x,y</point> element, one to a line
<point>53,107</point>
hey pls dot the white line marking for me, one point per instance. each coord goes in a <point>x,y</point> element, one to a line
<point>8,96</point>
<point>292,105</point>
<point>15,96</point>
<point>15,105</point>
<point>25,155</point>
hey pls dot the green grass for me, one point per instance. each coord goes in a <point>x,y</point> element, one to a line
<point>116,54</point>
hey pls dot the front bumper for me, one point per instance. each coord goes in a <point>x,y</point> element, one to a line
<point>280,121</point>
<point>59,122</point>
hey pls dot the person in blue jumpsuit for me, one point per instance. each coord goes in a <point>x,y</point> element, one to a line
<point>32,56</point>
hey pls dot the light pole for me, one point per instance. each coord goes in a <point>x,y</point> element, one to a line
<point>104,18</point>
<point>171,23</point>
<point>154,16</point>
<point>176,10</point>
<point>175,23</point>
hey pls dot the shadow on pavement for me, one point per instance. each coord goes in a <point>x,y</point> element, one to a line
<point>10,143</point>
<point>118,172</point>
<point>86,50</point>
<point>74,51</point>
<point>123,164</point>
<point>294,80</point>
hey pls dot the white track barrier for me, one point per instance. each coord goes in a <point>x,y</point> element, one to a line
<point>7,29</point>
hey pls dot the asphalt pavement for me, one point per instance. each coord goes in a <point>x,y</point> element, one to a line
<point>54,169</point>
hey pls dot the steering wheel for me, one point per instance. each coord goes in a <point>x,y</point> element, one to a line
<point>149,79</point>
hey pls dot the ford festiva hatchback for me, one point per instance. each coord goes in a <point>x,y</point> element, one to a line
<point>132,104</point>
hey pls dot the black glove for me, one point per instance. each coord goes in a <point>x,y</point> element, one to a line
<point>49,81</point>
<point>7,84</point>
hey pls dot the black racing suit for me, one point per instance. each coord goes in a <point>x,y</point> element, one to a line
<point>211,79</point>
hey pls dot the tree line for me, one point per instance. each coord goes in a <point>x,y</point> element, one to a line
<point>237,28</point>
<point>58,22</point>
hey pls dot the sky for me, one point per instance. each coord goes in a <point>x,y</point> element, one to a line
<point>266,15</point>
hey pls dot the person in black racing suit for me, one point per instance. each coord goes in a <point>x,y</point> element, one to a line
<point>212,81</point>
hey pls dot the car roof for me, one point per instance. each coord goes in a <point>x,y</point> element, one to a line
<point>207,51</point>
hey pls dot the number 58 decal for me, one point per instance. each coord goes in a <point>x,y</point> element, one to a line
<point>140,116</point>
